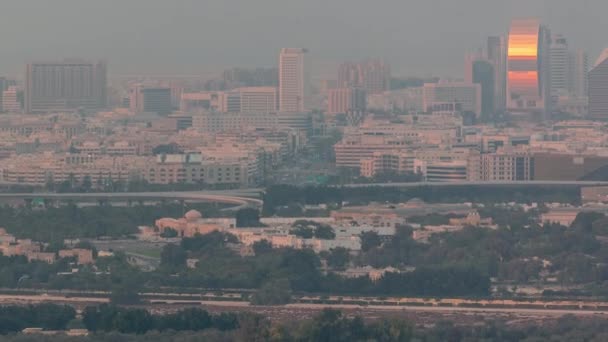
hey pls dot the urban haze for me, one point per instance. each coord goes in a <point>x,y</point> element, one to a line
<point>417,37</point>
<point>304,170</point>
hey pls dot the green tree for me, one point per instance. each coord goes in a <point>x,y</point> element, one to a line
<point>370,240</point>
<point>248,217</point>
<point>338,258</point>
<point>167,149</point>
<point>173,256</point>
<point>303,232</point>
<point>252,328</point>
<point>87,183</point>
<point>169,233</point>
<point>261,247</point>
<point>391,330</point>
<point>325,232</point>
<point>274,292</point>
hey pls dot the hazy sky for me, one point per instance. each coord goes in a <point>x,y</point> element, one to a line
<point>418,37</point>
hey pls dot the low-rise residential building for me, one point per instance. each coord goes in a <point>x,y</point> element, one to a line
<point>41,256</point>
<point>191,168</point>
<point>193,223</point>
<point>40,169</point>
<point>83,256</point>
<point>562,216</point>
<point>374,274</point>
<point>472,219</point>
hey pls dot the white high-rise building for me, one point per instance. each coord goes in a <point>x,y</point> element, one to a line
<point>10,100</point>
<point>560,66</point>
<point>579,79</point>
<point>292,80</point>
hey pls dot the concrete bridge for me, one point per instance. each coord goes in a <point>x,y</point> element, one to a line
<point>240,198</point>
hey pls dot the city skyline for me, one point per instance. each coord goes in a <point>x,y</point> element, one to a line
<point>271,170</point>
<point>134,44</point>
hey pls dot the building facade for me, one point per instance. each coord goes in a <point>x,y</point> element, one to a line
<point>497,54</point>
<point>373,76</point>
<point>598,88</point>
<point>483,74</point>
<point>258,99</point>
<point>464,96</point>
<point>528,69</point>
<point>150,100</point>
<point>560,66</point>
<point>579,80</point>
<point>193,168</point>
<point>344,100</point>
<point>65,86</point>
<point>292,80</point>
<point>10,100</point>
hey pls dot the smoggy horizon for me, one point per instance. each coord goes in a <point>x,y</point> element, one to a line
<point>189,37</point>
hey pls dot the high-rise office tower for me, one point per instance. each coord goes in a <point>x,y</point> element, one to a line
<point>373,76</point>
<point>560,66</point>
<point>376,77</point>
<point>497,54</point>
<point>483,74</point>
<point>344,100</point>
<point>65,86</point>
<point>150,100</point>
<point>480,70</point>
<point>528,69</point>
<point>292,80</point>
<point>579,77</point>
<point>469,60</point>
<point>349,75</point>
<point>598,88</point>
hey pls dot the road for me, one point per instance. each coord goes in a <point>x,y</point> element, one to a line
<point>240,198</point>
<point>251,196</point>
<point>497,183</point>
<point>239,305</point>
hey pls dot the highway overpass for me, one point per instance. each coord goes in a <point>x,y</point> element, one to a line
<point>477,184</point>
<point>240,198</point>
<point>252,197</point>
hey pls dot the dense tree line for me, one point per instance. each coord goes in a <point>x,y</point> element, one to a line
<point>284,195</point>
<point>46,316</point>
<point>248,217</point>
<point>310,229</point>
<point>457,264</point>
<point>519,251</point>
<point>450,264</point>
<point>220,267</point>
<point>139,321</point>
<point>16,271</point>
<point>112,324</point>
<point>70,221</point>
<point>333,326</point>
<point>110,273</point>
